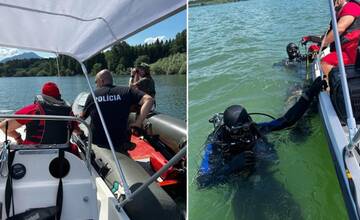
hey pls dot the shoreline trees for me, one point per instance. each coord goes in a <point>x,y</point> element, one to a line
<point>164,57</point>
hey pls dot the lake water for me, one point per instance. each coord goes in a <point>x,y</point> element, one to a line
<point>16,92</point>
<point>232,51</point>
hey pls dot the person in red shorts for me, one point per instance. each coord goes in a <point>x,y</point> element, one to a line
<point>43,131</point>
<point>348,23</point>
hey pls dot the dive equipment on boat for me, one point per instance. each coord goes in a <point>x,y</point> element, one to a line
<point>336,95</point>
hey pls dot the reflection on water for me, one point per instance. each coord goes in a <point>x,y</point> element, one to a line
<point>234,54</point>
<point>265,198</point>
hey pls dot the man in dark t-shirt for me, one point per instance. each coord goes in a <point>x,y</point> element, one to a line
<point>114,102</point>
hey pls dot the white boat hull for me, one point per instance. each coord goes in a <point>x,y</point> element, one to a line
<point>38,188</point>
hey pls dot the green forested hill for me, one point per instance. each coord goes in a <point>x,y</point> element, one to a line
<point>118,59</point>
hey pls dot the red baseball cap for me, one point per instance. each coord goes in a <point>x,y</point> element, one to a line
<point>51,89</point>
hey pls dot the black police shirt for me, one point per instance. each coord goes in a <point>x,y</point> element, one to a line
<point>114,102</point>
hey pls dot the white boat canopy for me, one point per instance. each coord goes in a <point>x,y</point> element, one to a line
<point>78,28</point>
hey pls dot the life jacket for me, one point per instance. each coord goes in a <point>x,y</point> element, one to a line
<point>355,26</point>
<point>49,131</point>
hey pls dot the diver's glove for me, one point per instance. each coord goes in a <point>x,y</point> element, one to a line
<point>316,87</point>
<point>315,39</point>
<point>305,39</point>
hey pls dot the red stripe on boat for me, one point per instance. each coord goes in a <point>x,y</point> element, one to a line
<point>144,150</point>
<point>168,183</point>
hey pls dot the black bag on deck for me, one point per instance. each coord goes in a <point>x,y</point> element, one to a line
<point>336,94</point>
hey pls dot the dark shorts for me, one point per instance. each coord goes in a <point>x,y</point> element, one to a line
<point>349,54</point>
<point>332,59</point>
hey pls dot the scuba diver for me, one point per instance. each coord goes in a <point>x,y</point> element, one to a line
<point>294,62</point>
<point>236,143</point>
<point>294,55</point>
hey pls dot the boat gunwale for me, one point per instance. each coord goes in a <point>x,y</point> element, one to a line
<point>337,142</point>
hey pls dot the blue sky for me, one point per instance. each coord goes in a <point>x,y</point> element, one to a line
<point>167,29</point>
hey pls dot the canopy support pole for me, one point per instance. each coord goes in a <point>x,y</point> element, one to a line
<point>122,176</point>
<point>172,161</point>
<point>57,64</point>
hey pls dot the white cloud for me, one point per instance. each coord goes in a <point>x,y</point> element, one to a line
<point>6,52</point>
<point>151,40</point>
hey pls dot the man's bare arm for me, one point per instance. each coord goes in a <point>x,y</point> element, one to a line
<point>11,129</point>
<point>342,24</point>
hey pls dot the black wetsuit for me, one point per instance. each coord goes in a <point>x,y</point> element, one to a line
<point>290,117</point>
<point>294,62</point>
<point>224,156</point>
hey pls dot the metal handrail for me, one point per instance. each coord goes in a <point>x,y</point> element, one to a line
<point>175,159</point>
<point>345,89</point>
<point>58,118</point>
<point>156,175</point>
<point>355,140</point>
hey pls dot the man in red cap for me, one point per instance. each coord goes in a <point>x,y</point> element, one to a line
<point>42,131</point>
<point>51,89</point>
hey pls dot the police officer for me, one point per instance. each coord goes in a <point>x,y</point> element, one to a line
<point>115,103</point>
